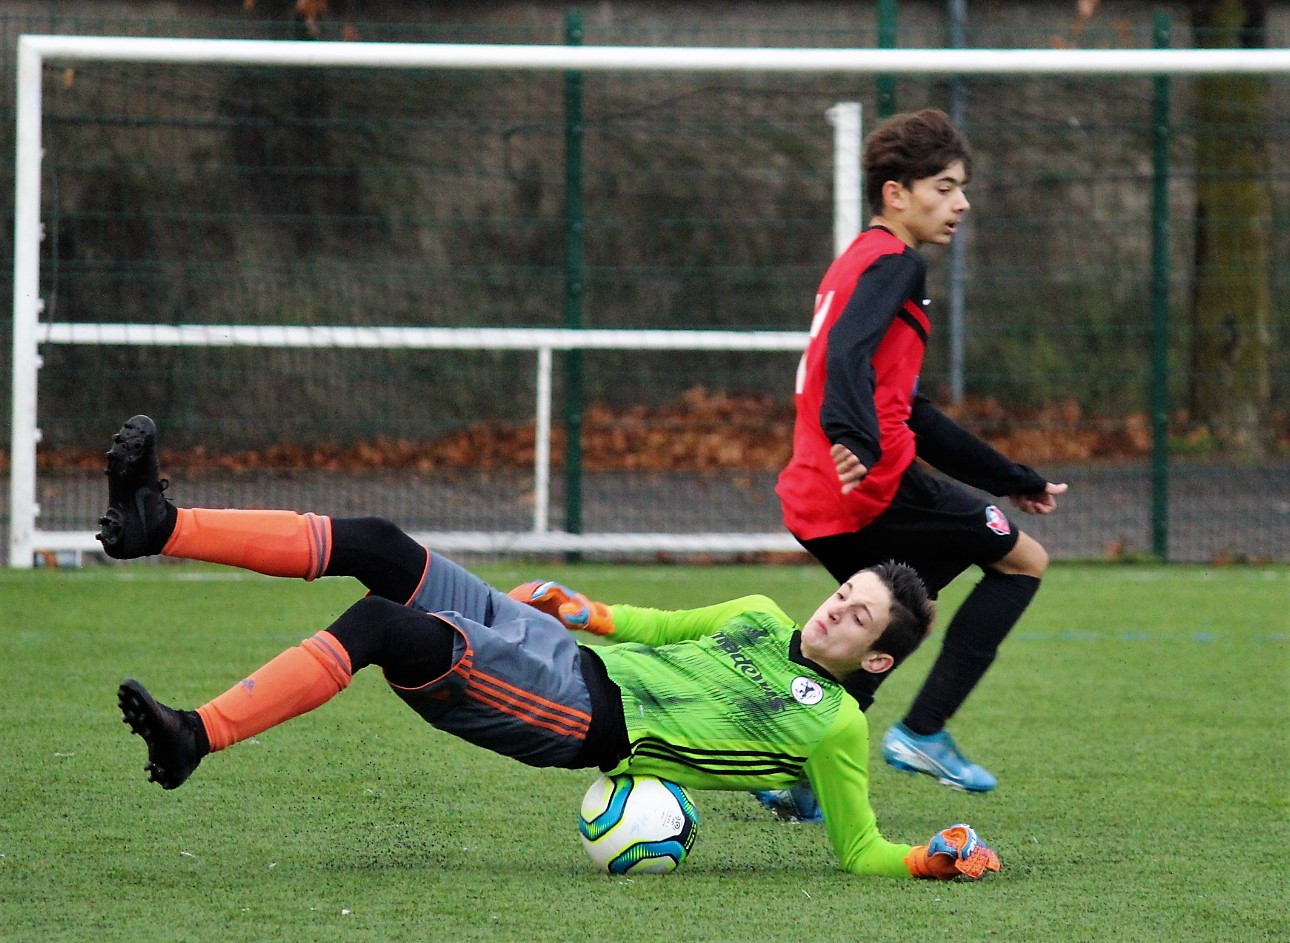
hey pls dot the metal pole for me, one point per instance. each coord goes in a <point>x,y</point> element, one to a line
<point>924,62</point>
<point>848,196</point>
<point>958,248</point>
<point>542,444</point>
<point>888,13</point>
<point>1160,133</point>
<point>574,231</point>
<point>26,309</point>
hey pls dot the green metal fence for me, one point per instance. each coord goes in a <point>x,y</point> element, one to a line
<point>235,195</point>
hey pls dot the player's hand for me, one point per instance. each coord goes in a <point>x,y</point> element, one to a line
<point>574,610</point>
<point>1041,502</point>
<point>954,853</point>
<point>850,470</point>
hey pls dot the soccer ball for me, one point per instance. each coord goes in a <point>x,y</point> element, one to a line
<point>637,824</point>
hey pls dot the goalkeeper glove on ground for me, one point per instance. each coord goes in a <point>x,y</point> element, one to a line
<point>954,853</point>
<point>574,610</point>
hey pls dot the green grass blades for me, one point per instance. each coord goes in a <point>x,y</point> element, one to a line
<point>1136,721</point>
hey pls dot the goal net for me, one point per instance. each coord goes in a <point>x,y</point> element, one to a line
<point>551,299</point>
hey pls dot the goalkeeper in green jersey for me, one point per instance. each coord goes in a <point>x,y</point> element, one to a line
<point>730,696</point>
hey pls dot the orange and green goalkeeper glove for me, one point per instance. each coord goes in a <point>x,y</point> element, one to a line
<point>954,853</point>
<point>574,610</point>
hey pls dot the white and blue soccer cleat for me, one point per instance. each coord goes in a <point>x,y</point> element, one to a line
<point>934,755</point>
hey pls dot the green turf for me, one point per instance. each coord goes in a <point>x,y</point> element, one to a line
<point>1137,722</point>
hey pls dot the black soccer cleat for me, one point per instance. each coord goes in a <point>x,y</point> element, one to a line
<point>176,739</point>
<point>139,519</point>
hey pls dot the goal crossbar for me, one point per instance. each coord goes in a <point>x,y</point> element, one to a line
<point>657,58</point>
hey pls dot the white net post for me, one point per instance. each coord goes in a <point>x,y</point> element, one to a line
<point>848,192</point>
<point>26,310</point>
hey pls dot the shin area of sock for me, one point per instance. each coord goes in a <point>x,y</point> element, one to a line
<point>297,681</point>
<point>276,543</point>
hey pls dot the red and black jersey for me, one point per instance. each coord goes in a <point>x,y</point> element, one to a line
<point>856,385</point>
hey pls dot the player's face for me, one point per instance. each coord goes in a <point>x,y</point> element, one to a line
<point>931,209</point>
<point>841,633</point>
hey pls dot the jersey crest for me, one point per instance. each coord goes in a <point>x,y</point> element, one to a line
<point>997,521</point>
<point>805,691</point>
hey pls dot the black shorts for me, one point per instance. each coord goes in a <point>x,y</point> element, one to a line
<point>935,525</point>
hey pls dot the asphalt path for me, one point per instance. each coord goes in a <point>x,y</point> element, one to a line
<point>1218,512</point>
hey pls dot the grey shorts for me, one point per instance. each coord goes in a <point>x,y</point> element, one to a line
<point>516,685</point>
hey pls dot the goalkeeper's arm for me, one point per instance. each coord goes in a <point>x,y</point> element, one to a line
<point>624,623</point>
<point>838,770</point>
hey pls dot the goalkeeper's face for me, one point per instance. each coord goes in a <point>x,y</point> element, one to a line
<point>928,210</point>
<point>841,633</point>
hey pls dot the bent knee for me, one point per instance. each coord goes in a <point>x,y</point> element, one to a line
<point>371,615</point>
<point>1027,558</point>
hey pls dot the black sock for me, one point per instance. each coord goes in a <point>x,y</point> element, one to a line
<point>972,640</point>
<point>378,554</point>
<point>412,647</point>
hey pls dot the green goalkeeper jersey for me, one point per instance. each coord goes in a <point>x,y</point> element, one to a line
<point>722,698</point>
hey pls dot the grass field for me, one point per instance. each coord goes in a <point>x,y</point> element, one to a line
<point>1137,721</point>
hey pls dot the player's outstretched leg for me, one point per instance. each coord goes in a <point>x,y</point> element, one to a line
<point>176,739</point>
<point>139,519</point>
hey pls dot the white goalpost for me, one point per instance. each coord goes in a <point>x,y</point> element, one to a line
<point>30,333</point>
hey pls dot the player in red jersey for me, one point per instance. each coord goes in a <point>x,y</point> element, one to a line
<point>852,493</point>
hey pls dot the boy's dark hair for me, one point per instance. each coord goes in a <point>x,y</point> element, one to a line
<point>909,147</point>
<point>911,610</point>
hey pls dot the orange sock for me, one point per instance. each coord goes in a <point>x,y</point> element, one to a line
<point>300,679</point>
<point>277,543</point>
